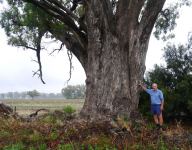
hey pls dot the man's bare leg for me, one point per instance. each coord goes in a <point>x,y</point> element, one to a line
<point>155,117</point>
<point>160,118</point>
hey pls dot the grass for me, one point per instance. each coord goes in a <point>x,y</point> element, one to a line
<point>55,131</point>
<point>25,107</point>
<point>77,134</point>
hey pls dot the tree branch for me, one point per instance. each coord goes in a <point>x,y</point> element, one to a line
<point>129,8</point>
<point>71,43</point>
<point>62,16</point>
<point>26,46</point>
<point>127,15</point>
<point>108,12</point>
<point>59,49</point>
<point>72,15</point>
<point>38,54</point>
<point>70,56</point>
<point>149,17</point>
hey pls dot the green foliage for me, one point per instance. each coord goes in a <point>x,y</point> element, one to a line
<point>54,135</point>
<point>166,21</point>
<point>161,145</point>
<point>65,147</point>
<point>4,134</point>
<point>32,148</point>
<point>23,22</point>
<point>36,137</point>
<point>69,110</point>
<point>175,80</point>
<point>18,146</point>
<point>88,135</point>
<point>49,119</point>
<point>151,126</point>
<point>42,147</point>
<point>33,93</point>
<point>74,92</point>
<point>84,147</point>
<point>137,146</point>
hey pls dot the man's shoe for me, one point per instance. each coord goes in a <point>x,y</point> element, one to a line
<point>158,126</point>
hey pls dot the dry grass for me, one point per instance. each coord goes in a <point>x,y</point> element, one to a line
<point>51,132</point>
<point>56,132</point>
<point>26,107</point>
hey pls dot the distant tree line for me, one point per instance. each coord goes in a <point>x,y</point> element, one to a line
<point>33,93</point>
<point>175,80</point>
<point>74,92</point>
<point>30,95</point>
<point>68,92</point>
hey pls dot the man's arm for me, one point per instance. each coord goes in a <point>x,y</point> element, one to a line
<point>143,87</point>
<point>162,105</point>
<point>162,100</point>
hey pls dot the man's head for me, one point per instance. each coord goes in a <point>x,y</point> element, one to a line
<point>154,86</point>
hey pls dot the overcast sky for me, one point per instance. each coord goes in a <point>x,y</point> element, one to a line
<point>16,65</point>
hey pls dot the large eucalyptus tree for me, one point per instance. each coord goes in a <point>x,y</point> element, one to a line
<point>109,38</point>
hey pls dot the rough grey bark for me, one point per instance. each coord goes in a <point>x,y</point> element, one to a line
<point>112,50</point>
<point>116,56</point>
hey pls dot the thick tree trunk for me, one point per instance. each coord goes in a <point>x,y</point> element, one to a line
<point>113,75</point>
<point>116,64</point>
<point>112,49</point>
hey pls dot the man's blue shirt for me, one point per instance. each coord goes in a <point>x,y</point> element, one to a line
<point>156,96</point>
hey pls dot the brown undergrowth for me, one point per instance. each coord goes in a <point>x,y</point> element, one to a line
<point>58,131</point>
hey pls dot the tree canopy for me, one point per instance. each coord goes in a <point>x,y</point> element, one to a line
<point>33,93</point>
<point>74,92</point>
<point>27,22</point>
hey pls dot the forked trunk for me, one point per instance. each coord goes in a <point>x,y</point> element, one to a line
<point>116,64</point>
<point>113,75</point>
<point>111,44</point>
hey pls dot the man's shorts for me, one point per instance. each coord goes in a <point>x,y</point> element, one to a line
<point>156,109</point>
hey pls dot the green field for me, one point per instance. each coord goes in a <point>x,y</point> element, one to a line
<point>25,107</point>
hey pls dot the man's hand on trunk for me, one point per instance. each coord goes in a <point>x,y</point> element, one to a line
<point>142,86</point>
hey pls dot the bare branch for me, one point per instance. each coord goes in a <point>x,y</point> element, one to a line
<point>37,111</point>
<point>38,54</point>
<point>34,60</point>
<point>39,74</point>
<point>26,46</point>
<point>73,45</point>
<point>36,73</point>
<point>70,56</point>
<point>59,49</point>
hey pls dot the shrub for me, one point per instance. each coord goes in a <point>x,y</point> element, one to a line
<point>42,147</point>
<point>50,119</point>
<point>65,146</point>
<point>69,110</point>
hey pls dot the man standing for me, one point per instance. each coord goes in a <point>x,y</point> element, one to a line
<point>157,102</point>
